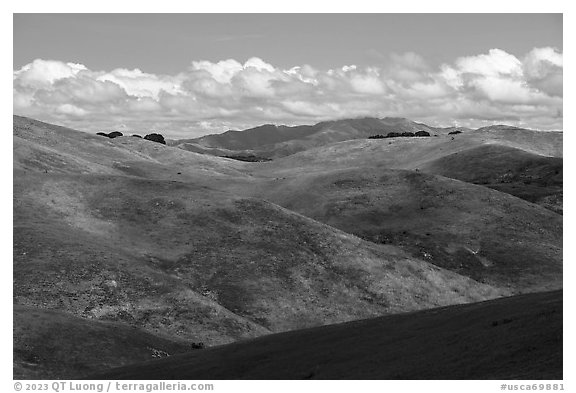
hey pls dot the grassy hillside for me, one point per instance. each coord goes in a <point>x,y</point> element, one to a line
<point>537,142</point>
<point>198,248</point>
<point>49,344</point>
<point>44,148</point>
<point>518,337</point>
<point>202,265</point>
<point>477,232</point>
<point>503,161</point>
<point>526,175</point>
<point>185,261</point>
<point>412,153</point>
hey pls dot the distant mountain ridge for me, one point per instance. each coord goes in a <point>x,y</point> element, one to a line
<point>274,141</point>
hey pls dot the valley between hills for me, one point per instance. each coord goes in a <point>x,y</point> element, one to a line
<point>332,256</point>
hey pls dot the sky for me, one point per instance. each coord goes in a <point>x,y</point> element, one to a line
<point>186,75</point>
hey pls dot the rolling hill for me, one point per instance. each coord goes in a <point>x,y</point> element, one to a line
<point>163,240</point>
<point>411,153</point>
<point>487,235</point>
<point>547,143</point>
<point>495,157</point>
<point>194,248</point>
<point>529,176</point>
<point>46,345</point>
<point>185,259</point>
<point>42,147</point>
<point>518,337</point>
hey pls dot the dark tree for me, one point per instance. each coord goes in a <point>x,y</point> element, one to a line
<point>455,132</point>
<point>198,345</point>
<point>115,134</point>
<point>155,138</point>
<point>112,135</point>
<point>422,133</point>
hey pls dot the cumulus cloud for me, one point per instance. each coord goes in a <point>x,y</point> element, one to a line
<point>42,73</point>
<point>367,84</point>
<point>495,62</point>
<point>221,72</point>
<point>543,69</point>
<point>140,84</point>
<point>502,78</point>
<point>215,96</point>
<point>72,110</point>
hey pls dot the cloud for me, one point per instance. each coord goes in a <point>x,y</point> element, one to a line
<point>258,64</point>
<point>495,63</point>
<point>501,78</point>
<point>222,72</point>
<point>543,70</point>
<point>540,62</point>
<point>255,82</point>
<point>507,91</point>
<point>367,84</point>
<point>140,84</point>
<point>214,96</point>
<point>41,73</point>
<point>72,110</point>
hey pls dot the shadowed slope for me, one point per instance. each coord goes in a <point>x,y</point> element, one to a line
<point>528,176</point>
<point>513,338</point>
<point>268,134</point>
<point>55,345</point>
